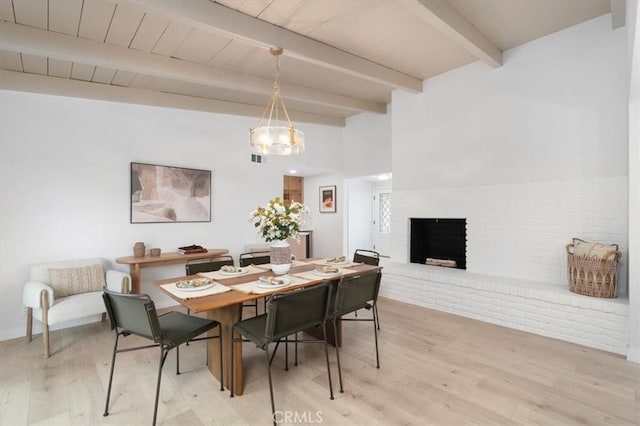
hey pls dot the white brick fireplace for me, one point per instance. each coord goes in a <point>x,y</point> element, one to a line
<point>516,262</point>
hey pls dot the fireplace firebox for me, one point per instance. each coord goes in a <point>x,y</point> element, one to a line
<point>439,242</point>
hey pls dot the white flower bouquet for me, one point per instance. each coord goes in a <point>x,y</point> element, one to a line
<point>275,221</point>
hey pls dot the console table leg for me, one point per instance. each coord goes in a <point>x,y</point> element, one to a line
<point>134,270</point>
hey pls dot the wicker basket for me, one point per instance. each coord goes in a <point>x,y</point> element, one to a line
<point>591,276</point>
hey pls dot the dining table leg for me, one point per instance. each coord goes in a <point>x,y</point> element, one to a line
<point>227,316</point>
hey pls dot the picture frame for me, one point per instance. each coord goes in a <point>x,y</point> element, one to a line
<point>169,194</point>
<point>328,199</point>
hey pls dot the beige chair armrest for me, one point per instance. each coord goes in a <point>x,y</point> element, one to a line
<point>118,281</point>
<point>31,294</point>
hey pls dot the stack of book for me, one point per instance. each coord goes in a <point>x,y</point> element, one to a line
<point>191,249</point>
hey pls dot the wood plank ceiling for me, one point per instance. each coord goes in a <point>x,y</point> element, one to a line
<point>342,57</point>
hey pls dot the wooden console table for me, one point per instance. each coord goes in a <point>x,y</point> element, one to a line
<point>137,263</point>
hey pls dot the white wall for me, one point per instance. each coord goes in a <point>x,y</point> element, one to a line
<point>359,218</point>
<point>633,35</point>
<point>367,145</point>
<point>534,152</point>
<point>64,183</point>
<point>555,110</point>
<point>327,239</point>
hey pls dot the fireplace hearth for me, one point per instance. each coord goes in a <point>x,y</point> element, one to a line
<point>439,242</point>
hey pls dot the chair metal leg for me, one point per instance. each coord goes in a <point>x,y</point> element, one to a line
<point>295,345</point>
<point>326,354</point>
<point>273,405</point>
<point>375,332</point>
<point>113,362</point>
<point>335,333</point>
<point>163,358</point>
<point>377,317</point>
<point>286,353</point>
<point>178,359</point>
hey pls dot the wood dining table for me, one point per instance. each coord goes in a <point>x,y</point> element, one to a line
<point>226,308</point>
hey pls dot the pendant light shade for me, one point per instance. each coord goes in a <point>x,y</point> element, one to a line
<point>275,134</point>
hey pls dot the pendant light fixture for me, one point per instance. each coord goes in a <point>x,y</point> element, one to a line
<point>275,133</point>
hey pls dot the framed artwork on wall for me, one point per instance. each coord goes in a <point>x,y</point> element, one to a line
<point>328,199</point>
<point>166,194</point>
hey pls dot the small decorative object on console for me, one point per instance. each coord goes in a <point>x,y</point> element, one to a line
<point>138,249</point>
<point>194,248</point>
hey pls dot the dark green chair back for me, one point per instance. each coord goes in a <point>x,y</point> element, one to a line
<point>214,265</point>
<point>296,310</point>
<point>135,313</point>
<point>356,292</point>
<point>255,258</point>
<point>368,257</point>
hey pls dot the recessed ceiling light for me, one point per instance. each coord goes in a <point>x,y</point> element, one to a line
<point>293,172</point>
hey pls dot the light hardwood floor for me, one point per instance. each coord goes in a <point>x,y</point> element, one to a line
<point>436,369</point>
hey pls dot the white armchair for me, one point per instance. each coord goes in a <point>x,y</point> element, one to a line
<point>63,291</point>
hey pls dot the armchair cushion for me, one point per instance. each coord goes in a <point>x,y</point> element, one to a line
<point>73,307</point>
<point>83,279</point>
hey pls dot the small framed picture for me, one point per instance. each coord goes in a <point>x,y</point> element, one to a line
<point>328,199</point>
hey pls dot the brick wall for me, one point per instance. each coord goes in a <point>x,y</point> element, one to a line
<point>521,230</point>
<point>535,307</point>
<point>516,261</point>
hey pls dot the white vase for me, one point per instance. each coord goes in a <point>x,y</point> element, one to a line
<point>280,257</point>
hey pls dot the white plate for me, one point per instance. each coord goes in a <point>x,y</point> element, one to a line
<point>326,274</point>
<point>240,272</point>
<point>264,284</point>
<point>199,288</point>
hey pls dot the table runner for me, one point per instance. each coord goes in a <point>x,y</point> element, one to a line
<point>267,266</point>
<point>216,289</point>
<point>218,275</point>
<point>311,275</point>
<point>251,287</point>
<point>346,264</point>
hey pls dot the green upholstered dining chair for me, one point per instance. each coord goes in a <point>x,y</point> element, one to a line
<point>254,258</point>
<point>136,314</point>
<point>368,257</point>
<point>213,265</point>
<point>287,314</point>
<point>353,293</point>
